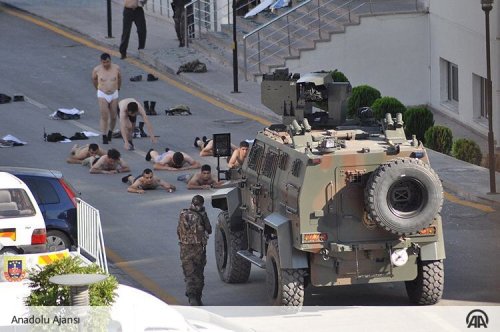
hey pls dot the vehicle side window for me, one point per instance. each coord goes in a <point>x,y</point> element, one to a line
<point>255,157</point>
<point>15,203</point>
<point>47,193</point>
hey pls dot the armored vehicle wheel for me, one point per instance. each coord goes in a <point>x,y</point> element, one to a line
<point>428,287</point>
<point>284,286</point>
<point>232,267</point>
<point>404,196</point>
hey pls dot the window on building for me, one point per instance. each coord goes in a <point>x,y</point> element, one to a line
<point>452,82</point>
<point>479,97</point>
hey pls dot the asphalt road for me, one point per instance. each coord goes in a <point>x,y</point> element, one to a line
<point>140,230</point>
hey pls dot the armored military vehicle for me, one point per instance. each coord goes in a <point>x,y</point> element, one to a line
<point>354,204</point>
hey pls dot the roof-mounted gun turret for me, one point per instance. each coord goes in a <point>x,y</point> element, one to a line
<point>315,97</point>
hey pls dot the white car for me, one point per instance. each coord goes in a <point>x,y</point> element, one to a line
<point>22,228</point>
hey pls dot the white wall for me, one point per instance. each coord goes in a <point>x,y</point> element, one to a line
<point>458,35</point>
<point>390,53</point>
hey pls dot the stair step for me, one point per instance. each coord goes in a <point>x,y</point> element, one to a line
<point>252,258</point>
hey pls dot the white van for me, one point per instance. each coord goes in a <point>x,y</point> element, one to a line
<point>22,228</point>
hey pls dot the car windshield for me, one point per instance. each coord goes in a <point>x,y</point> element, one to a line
<point>15,203</point>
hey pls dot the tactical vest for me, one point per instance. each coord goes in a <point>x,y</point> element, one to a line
<point>191,229</point>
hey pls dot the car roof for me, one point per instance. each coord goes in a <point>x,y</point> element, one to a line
<point>31,171</point>
<point>9,181</point>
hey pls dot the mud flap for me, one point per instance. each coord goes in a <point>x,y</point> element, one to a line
<point>290,258</point>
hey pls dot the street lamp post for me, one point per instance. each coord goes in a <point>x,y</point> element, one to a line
<point>487,5</point>
<point>235,52</point>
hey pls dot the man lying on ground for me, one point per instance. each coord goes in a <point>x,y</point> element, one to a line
<point>80,153</point>
<point>111,163</point>
<point>171,161</point>
<point>146,181</point>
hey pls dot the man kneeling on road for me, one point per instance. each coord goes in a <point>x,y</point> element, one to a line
<point>111,163</point>
<point>171,161</point>
<point>146,181</point>
<point>129,109</point>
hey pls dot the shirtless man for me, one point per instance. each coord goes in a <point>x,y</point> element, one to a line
<point>129,110</point>
<point>79,153</point>
<point>107,80</point>
<point>171,161</point>
<point>204,179</point>
<point>239,155</point>
<point>206,146</point>
<point>146,181</point>
<point>111,163</point>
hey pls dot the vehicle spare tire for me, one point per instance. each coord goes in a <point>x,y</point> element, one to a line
<point>403,196</point>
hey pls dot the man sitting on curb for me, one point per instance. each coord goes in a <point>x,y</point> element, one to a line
<point>129,109</point>
<point>111,163</point>
<point>146,181</point>
<point>202,180</point>
<point>171,161</point>
<point>79,154</point>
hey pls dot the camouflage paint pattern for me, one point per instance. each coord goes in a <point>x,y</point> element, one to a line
<point>193,261</point>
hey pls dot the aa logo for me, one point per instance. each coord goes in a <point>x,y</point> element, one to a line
<point>477,319</point>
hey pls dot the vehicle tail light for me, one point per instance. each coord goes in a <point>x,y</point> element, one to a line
<point>39,236</point>
<point>314,237</point>
<point>427,231</point>
<point>69,191</point>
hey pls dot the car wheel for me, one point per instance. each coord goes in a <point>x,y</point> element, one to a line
<point>57,240</point>
<point>285,287</point>
<point>404,196</point>
<point>232,267</point>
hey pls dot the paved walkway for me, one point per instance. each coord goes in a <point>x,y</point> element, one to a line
<point>88,18</point>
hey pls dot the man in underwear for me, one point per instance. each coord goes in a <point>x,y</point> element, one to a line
<point>239,155</point>
<point>107,80</point>
<point>204,179</point>
<point>171,161</point>
<point>111,163</point>
<point>146,181</point>
<point>79,153</point>
<point>129,109</point>
<point>206,146</point>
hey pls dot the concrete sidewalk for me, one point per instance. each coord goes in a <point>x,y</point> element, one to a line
<point>88,18</point>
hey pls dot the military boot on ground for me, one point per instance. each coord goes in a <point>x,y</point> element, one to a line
<point>146,107</point>
<point>141,130</point>
<point>152,105</point>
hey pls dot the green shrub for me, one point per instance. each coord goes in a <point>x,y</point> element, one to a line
<point>384,105</point>
<point>417,120</point>
<point>467,150</point>
<point>338,76</point>
<point>362,95</point>
<point>45,293</point>
<point>439,138</point>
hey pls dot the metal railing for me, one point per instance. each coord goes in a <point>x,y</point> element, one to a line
<point>90,239</point>
<point>199,15</point>
<point>278,37</point>
<point>159,7</point>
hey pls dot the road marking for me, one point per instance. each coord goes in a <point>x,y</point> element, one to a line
<point>141,278</point>
<point>189,89</point>
<point>477,206</point>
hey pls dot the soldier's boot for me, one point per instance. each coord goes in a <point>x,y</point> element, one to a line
<point>146,107</point>
<point>194,301</point>
<point>199,300</point>
<point>141,130</point>
<point>152,105</point>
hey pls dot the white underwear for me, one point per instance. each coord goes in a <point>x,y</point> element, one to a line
<point>109,98</point>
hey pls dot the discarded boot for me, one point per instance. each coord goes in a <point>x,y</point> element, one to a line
<point>152,77</point>
<point>125,178</point>
<point>142,133</point>
<point>136,78</point>
<point>152,105</point>
<point>146,107</point>
<point>148,155</point>
<point>18,98</point>
<point>110,135</point>
<point>104,139</point>
<point>196,139</point>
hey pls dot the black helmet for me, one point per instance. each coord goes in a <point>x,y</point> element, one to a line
<point>198,200</point>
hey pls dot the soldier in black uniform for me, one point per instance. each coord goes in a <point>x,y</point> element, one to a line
<point>193,231</point>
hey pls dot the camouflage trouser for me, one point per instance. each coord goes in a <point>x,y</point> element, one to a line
<point>193,260</point>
